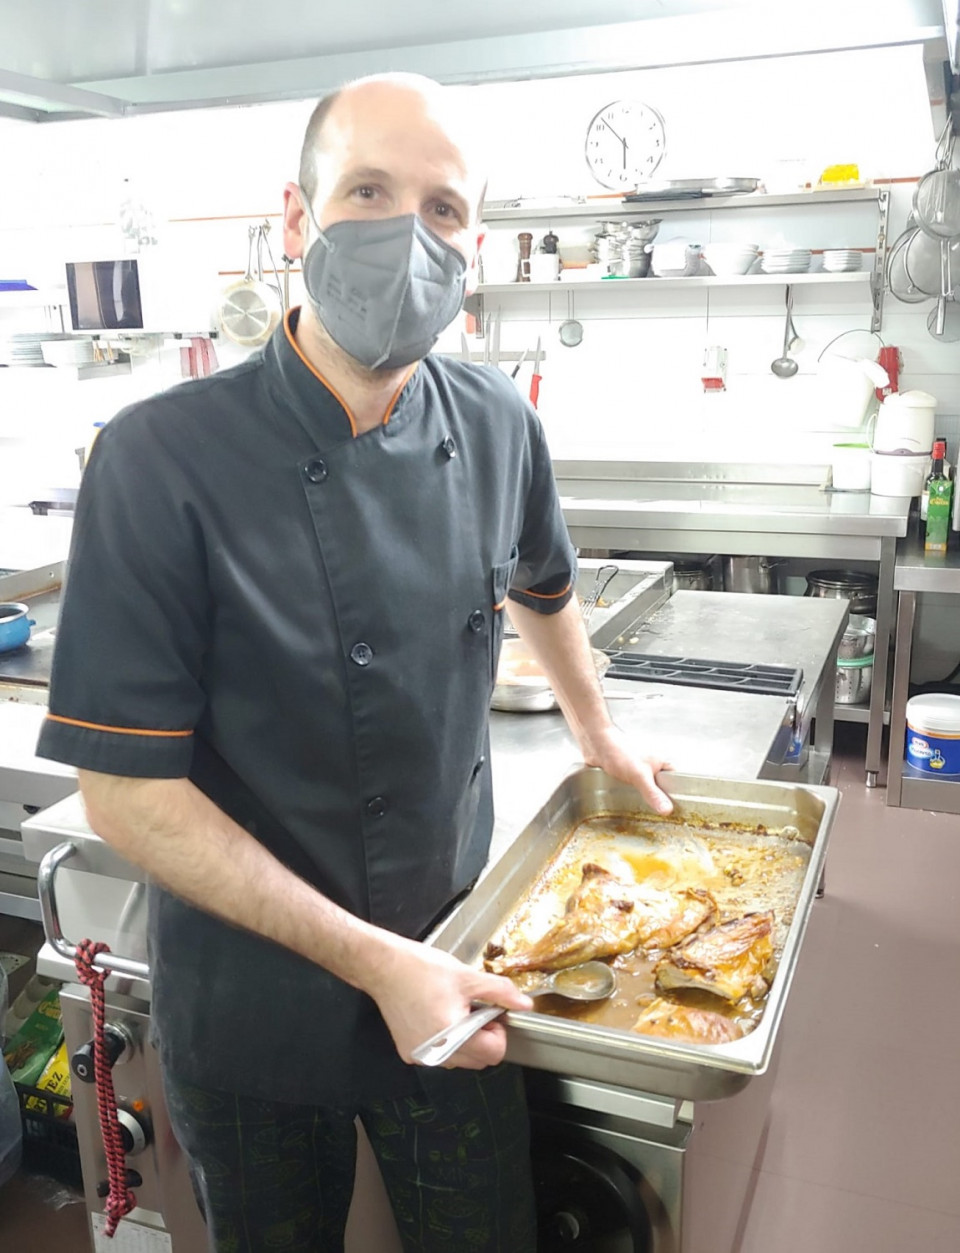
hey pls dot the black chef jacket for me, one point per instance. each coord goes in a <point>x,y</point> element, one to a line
<point>306,623</point>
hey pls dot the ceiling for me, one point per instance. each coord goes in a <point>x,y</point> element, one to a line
<point>97,58</point>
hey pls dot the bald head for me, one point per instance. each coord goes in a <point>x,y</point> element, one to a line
<point>417,116</point>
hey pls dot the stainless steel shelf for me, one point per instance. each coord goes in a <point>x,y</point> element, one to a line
<point>939,795</point>
<point>610,211</point>
<point>653,284</point>
<point>857,713</point>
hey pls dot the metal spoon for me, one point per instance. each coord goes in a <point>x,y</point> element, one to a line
<point>590,981</point>
<point>785,367</point>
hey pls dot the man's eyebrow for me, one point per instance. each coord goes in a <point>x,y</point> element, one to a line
<point>367,172</point>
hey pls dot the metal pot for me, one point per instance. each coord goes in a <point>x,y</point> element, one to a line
<point>750,574</point>
<point>14,626</point>
<point>852,585</point>
<point>854,680</point>
<point>692,576</point>
<point>858,638</point>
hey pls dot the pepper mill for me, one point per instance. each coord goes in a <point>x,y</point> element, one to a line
<point>525,240</point>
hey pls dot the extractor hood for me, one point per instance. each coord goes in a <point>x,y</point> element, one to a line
<point>99,58</point>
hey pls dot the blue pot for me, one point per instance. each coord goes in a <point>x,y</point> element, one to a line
<point>14,626</point>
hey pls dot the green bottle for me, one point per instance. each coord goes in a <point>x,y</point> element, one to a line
<point>940,491</point>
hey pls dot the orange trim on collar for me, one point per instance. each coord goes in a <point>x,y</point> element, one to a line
<point>316,374</point>
<point>497,608</point>
<point>546,595</point>
<point>329,386</point>
<point>396,395</point>
<point>98,726</point>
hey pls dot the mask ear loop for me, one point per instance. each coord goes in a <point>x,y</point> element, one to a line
<point>327,243</point>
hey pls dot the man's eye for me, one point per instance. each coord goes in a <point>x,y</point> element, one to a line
<point>366,192</point>
<point>444,210</point>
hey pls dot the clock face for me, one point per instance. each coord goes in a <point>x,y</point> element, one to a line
<point>625,144</point>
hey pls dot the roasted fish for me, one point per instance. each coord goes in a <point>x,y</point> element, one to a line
<point>606,916</point>
<point>683,1022</point>
<point>728,960</point>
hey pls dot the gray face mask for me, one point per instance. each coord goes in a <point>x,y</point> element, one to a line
<point>384,289</point>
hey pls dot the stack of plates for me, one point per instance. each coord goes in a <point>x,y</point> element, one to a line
<point>785,260</point>
<point>21,349</point>
<point>67,351</point>
<point>842,260</point>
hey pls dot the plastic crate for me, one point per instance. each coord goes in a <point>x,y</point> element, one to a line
<point>49,1142</point>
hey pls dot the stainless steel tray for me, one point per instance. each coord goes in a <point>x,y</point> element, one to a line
<point>612,1056</point>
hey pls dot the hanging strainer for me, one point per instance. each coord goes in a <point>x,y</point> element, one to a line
<point>923,262</point>
<point>936,203</point>
<point>899,282</point>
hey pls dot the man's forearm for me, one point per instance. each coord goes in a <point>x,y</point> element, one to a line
<point>191,847</point>
<point>559,642</point>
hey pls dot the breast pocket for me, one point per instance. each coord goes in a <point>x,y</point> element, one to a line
<point>501,579</point>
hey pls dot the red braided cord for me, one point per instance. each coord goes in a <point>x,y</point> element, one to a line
<point>120,1199</point>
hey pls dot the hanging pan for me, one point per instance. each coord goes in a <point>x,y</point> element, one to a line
<point>250,309</point>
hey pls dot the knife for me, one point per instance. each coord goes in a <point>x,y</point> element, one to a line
<point>535,381</point>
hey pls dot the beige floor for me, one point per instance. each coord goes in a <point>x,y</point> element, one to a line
<point>863,1152</point>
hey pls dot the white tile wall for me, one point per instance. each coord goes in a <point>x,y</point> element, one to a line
<point>632,387</point>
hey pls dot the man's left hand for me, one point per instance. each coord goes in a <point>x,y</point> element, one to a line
<point>612,751</point>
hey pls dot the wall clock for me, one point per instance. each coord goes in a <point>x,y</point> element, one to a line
<point>625,143</point>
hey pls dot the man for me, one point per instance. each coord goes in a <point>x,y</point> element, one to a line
<point>274,662</point>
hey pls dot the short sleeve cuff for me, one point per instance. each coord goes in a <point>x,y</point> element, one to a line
<point>135,753</point>
<point>542,602</point>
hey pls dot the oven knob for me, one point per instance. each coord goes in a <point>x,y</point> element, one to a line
<point>134,1131</point>
<point>119,1046</point>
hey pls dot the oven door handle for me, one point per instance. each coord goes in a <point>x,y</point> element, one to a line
<point>46,874</point>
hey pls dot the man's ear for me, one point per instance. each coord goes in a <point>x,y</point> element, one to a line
<point>294,221</point>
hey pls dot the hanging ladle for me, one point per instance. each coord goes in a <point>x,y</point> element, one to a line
<point>590,981</point>
<point>785,367</point>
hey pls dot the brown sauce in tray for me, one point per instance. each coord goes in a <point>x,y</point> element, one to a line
<point>745,869</point>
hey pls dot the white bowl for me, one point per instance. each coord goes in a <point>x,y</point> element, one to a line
<point>729,258</point>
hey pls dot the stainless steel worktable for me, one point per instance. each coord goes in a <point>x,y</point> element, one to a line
<point>698,730</point>
<point>776,511</point>
<point>917,572</point>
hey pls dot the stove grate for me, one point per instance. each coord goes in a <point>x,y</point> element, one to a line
<point>731,676</point>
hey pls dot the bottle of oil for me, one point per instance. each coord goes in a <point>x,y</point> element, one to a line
<point>939,493</point>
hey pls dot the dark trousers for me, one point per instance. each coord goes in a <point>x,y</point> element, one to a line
<point>276,1178</point>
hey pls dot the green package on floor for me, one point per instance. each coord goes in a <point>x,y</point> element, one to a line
<point>28,1052</point>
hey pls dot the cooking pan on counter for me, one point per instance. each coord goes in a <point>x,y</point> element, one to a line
<point>800,814</point>
<point>14,626</point>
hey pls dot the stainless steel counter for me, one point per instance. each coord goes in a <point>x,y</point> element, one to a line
<point>745,510</point>
<point>917,572</point>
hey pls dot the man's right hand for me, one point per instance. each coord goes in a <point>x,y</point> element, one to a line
<point>421,990</point>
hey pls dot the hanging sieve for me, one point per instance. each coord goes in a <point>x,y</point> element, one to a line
<point>922,262</point>
<point>936,203</point>
<point>899,281</point>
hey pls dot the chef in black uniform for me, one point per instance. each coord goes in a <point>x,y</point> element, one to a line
<point>273,668</point>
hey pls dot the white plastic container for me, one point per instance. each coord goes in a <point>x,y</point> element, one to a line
<point>905,423</point>
<point>933,735</point>
<point>851,467</point>
<point>891,475</point>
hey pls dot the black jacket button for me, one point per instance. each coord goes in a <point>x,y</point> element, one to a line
<point>377,807</point>
<point>449,448</point>
<point>361,654</point>
<point>476,620</point>
<point>316,470</point>
<point>481,762</point>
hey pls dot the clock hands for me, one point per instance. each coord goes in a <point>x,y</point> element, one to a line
<point>617,137</point>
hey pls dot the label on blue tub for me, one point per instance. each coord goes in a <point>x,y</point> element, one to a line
<point>932,754</point>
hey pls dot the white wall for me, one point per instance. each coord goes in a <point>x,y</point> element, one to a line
<point>632,388</point>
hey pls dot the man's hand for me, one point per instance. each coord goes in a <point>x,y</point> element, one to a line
<point>420,991</point>
<point>611,751</point>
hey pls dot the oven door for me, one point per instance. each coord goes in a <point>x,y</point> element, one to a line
<point>589,1197</point>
